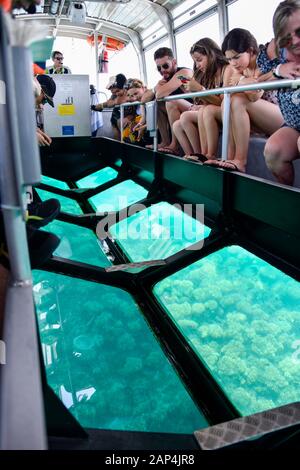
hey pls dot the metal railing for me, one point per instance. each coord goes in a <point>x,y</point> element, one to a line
<point>226,91</point>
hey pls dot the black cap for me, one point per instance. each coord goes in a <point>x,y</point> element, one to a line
<point>117,81</point>
<point>48,86</point>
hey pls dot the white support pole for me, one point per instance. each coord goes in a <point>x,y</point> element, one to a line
<point>226,125</point>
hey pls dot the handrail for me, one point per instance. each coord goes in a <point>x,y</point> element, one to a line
<point>275,84</point>
<point>226,91</point>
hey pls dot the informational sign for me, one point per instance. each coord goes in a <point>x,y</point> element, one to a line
<point>71,115</point>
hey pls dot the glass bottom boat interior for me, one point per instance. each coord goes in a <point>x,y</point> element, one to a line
<point>172,301</point>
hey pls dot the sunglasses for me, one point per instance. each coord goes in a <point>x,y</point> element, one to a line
<point>163,66</point>
<point>59,58</point>
<point>287,40</point>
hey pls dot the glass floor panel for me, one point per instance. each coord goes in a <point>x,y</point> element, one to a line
<point>118,197</point>
<point>118,163</point>
<point>103,361</point>
<point>242,317</point>
<point>157,232</point>
<point>98,178</point>
<point>77,244</point>
<point>67,204</point>
<point>54,182</point>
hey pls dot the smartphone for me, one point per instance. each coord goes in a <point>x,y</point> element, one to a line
<point>183,78</point>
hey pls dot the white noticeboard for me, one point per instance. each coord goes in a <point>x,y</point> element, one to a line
<point>71,115</point>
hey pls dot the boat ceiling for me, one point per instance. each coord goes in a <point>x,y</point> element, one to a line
<point>119,18</point>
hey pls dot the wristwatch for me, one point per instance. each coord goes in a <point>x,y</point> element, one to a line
<point>276,72</point>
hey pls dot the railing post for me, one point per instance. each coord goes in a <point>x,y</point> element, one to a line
<point>121,121</point>
<point>155,139</point>
<point>226,125</point>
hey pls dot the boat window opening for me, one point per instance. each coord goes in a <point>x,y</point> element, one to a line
<point>259,13</point>
<point>105,363</point>
<point>154,39</point>
<point>152,73</point>
<point>154,28</point>
<point>197,10</point>
<point>183,7</point>
<point>80,56</point>
<point>241,317</point>
<point>208,27</point>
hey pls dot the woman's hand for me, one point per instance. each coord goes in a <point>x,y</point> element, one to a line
<point>140,128</point>
<point>289,70</point>
<point>234,79</point>
<point>252,95</point>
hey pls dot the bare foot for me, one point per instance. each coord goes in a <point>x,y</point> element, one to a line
<point>230,165</point>
<point>196,157</point>
<point>170,150</point>
<point>161,145</point>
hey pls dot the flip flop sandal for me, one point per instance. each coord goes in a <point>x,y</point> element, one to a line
<point>196,157</point>
<point>169,151</point>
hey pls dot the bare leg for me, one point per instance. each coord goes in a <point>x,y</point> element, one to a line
<point>189,121</point>
<point>298,144</point>
<point>202,130</point>
<point>212,119</point>
<point>163,125</point>
<point>182,138</point>
<point>174,110</point>
<point>280,151</point>
<point>116,132</point>
<point>266,116</point>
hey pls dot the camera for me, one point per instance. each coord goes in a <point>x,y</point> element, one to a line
<point>77,13</point>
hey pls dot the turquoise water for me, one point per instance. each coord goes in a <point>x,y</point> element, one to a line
<point>67,204</point>
<point>118,197</point>
<point>77,244</point>
<point>54,182</point>
<point>103,361</point>
<point>242,318</point>
<point>97,178</point>
<point>157,232</point>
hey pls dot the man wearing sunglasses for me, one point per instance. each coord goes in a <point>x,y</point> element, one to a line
<point>170,84</point>
<point>57,67</point>
<point>282,57</point>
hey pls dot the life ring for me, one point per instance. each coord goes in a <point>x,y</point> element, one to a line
<point>111,44</point>
<point>6,5</point>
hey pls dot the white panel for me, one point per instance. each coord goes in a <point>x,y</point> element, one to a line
<point>258,19</point>
<point>209,27</point>
<point>71,115</point>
